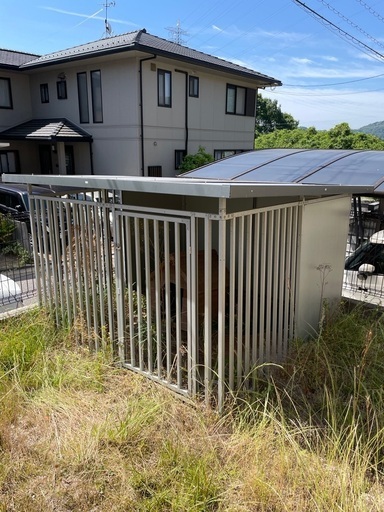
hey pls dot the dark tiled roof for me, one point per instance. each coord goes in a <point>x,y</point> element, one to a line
<point>12,59</point>
<point>142,41</point>
<point>47,129</point>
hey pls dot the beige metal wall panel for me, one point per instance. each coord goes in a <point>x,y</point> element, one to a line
<point>322,242</point>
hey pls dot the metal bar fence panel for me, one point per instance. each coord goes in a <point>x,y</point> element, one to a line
<point>200,301</point>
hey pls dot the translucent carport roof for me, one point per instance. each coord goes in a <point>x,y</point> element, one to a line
<point>261,173</point>
<point>294,166</point>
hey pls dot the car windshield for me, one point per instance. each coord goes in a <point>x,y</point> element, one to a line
<point>370,253</point>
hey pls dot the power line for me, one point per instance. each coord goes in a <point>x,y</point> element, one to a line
<point>342,33</point>
<point>336,83</point>
<point>369,9</point>
<point>350,22</point>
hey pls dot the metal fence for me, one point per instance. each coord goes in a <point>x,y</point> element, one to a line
<point>364,283</point>
<point>17,274</point>
<point>197,302</point>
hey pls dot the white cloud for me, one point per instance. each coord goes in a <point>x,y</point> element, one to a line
<point>329,58</point>
<point>298,60</point>
<point>215,27</point>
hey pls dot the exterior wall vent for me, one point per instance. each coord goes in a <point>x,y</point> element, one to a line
<point>155,171</point>
<point>153,66</point>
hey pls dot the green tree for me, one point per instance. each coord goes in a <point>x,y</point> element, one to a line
<point>193,161</point>
<point>339,137</point>
<point>269,117</point>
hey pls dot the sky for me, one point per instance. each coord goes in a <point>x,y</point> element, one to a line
<point>329,55</point>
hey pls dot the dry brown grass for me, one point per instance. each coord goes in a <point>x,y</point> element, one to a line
<point>79,434</point>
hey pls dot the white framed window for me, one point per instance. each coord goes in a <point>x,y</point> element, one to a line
<point>164,88</point>
<point>194,86</point>
<point>9,162</point>
<point>82,92</point>
<point>180,154</point>
<point>5,93</point>
<point>97,100</point>
<point>44,93</point>
<point>61,90</point>
<point>241,101</point>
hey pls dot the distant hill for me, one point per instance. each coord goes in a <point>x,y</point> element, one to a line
<point>374,129</point>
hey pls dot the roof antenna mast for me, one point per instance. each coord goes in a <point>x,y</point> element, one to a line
<point>108,28</point>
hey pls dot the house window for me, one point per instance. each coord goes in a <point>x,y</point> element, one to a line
<point>155,171</point>
<point>5,93</point>
<point>179,157</point>
<point>164,89</point>
<point>240,101</point>
<point>44,93</point>
<point>218,154</point>
<point>82,91</point>
<point>61,90</point>
<point>97,100</point>
<point>194,86</point>
<point>9,162</point>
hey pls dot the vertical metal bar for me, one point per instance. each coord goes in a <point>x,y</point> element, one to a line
<point>120,287</point>
<point>256,292</point>
<point>71,261</point>
<point>52,240</point>
<point>275,284</point>
<point>192,307</point>
<point>47,260</point>
<point>91,210</point>
<point>282,283</point>
<point>297,221</point>
<point>57,254</point>
<point>208,277</point>
<point>148,297</point>
<point>63,243</point>
<point>108,256</point>
<point>167,291</point>
<point>128,283</point>
<point>248,285</point>
<point>232,307</point>
<point>240,300</point>
<point>37,250</point>
<point>262,288</point>
<point>268,310</point>
<point>99,269</point>
<point>158,297</point>
<point>288,277</point>
<point>139,308</point>
<point>221,302</point>
<point>78,262</point>
<point>84,262</point>
<point>178,305</point>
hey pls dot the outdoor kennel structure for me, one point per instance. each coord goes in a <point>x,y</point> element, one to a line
<point>198,280</point>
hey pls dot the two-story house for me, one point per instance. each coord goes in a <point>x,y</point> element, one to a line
<point>132,104</point>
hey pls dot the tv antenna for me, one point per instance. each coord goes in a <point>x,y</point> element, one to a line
<point>177,33</point>
<point>108,28</point>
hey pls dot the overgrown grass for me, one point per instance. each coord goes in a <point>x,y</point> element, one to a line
<point>77,433</point>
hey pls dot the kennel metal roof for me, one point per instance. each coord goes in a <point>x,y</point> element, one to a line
<point>260,173</point>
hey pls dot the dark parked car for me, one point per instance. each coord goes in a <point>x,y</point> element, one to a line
<point>14,199</point>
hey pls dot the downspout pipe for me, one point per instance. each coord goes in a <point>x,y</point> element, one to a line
<point>142,112</point>
<point>186,138</point>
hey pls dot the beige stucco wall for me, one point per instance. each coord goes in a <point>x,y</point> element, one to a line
<point>22,110</point>
<point>117,146</point>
